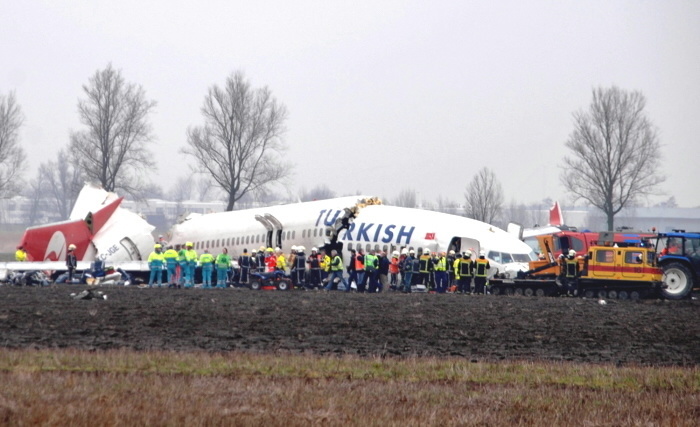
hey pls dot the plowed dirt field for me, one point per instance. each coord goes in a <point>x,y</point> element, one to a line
<point>480,328</point>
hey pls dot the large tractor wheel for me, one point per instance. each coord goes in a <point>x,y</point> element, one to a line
<point>255,285</point>
<point>678,281</point>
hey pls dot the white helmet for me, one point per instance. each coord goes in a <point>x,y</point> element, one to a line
<point>426,251</point>
<point>482,253</point>
<point>404,251</point>
<point>395,254</point>
<point>314,249</point>
<point>71,247</point>
<point>294,248</point>
<point>468,253</point>
<point>301,248</point>
<point>411,251</point>
<point>572,253</point>
<point>451,252</point>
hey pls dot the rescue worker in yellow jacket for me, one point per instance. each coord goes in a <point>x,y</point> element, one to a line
<point>191,261</point>
<point>206,261</point>
<point>20,254</point>
<point>155,263</point>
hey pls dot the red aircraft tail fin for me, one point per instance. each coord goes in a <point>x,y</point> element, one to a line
<point>555,216</point>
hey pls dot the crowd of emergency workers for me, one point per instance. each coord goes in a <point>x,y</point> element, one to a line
<point>373,271</point>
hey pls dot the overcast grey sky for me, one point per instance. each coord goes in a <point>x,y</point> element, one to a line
<point>382,95</point>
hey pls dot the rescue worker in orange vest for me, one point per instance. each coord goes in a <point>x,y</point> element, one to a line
<point>394,271</point>
<point>360,268</point>
<point>481,272</point>
<point>270,260</point>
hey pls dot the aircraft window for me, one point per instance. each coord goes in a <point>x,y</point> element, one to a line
<point>238,241</point>
<point>247,240</point>
<point>196,246</point>
<point>369,247</point>
<point>315,232</point>
<point>522,258</point>
<point>376,247</point>
<point>385,248</point>
<point>349,246</point>
<point>507,258</point>
<point>303,234</point>
<point>604,255</point>
<point>218,243</point>
<point>496,256</point>
<point>294,234</point>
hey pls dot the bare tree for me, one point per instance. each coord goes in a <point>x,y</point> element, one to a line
<point>446,205</point>
<point>113,150</point>
<point>319,192</point>
<point>615,152</point>
<point>240,142</point>
<point>181,190</point>
<point>60,184</point>
<point>484,197</point>
<point>407,198</point>
<point>12,157</point>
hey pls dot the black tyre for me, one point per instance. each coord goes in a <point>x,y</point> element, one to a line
<point>612,294</point>
<point>623,295</point>
<point>539,292</point>
<point>510,291</point>
<point>495,290</point>
<point>284,285</point>
<point>678,281</point>
<point>255,285</point>
<point>529,292</point>
<point>519,291</point>
<point>634,295</point>
<point>589,294</point>
<point>602,294</point>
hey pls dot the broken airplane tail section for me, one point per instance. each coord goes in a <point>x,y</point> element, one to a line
<point>555,216</point>
<point>98,227</point>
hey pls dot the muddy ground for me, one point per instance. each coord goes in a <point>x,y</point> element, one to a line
<point>649,332</point>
